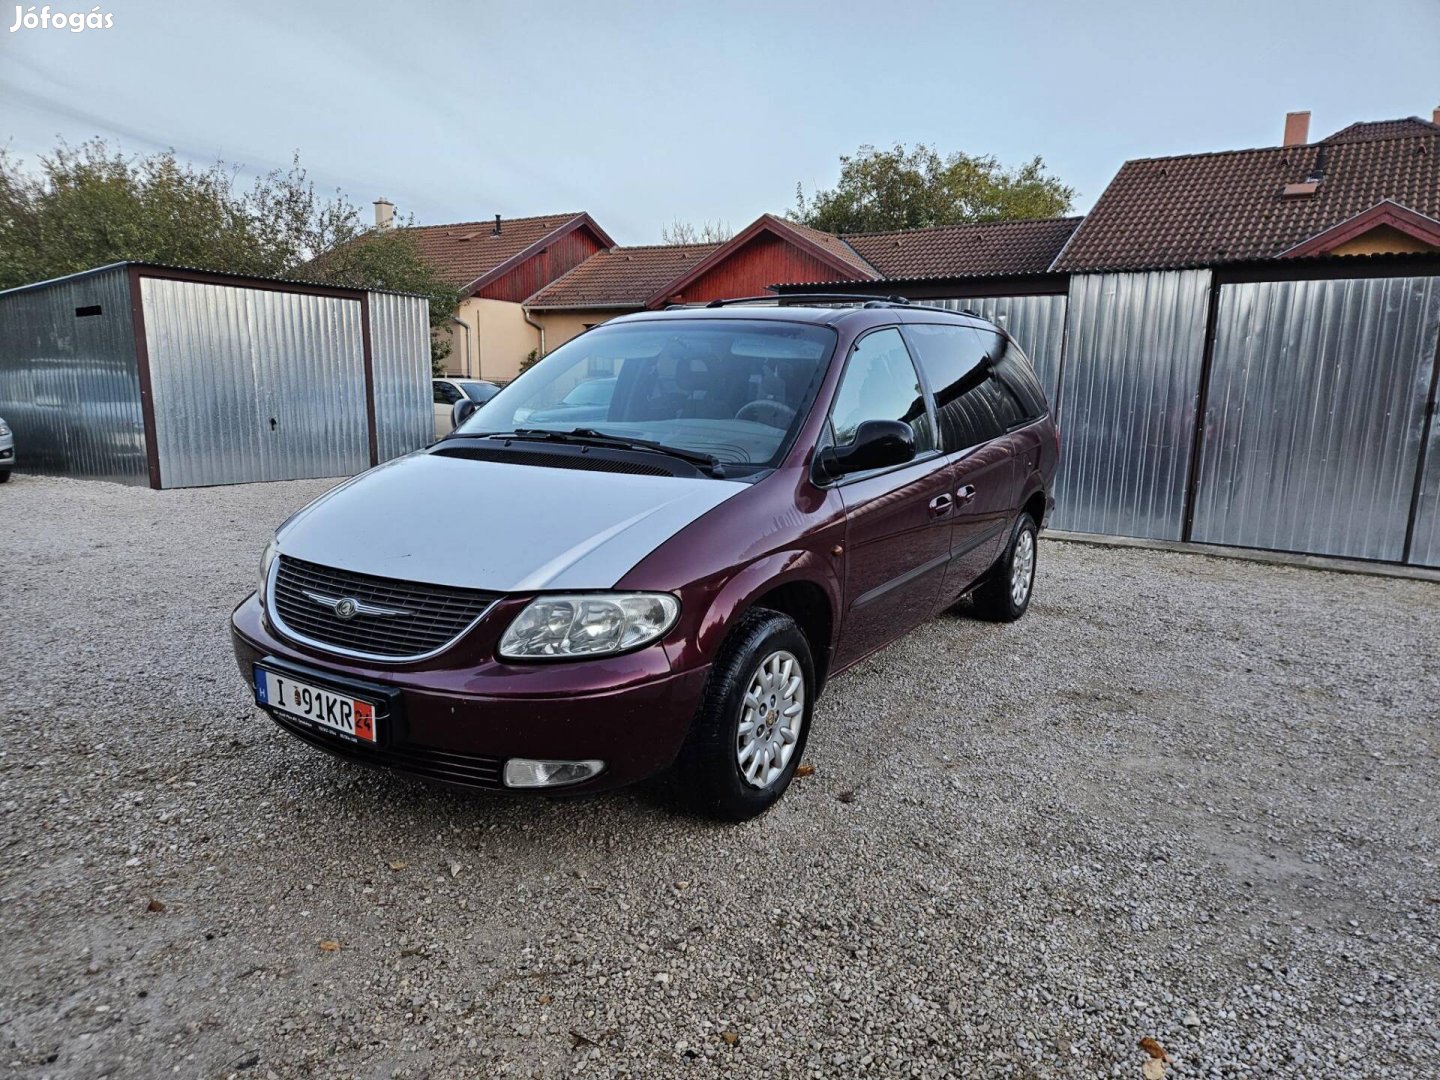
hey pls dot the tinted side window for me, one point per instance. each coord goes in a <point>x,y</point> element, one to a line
<point>1018,374</point>
<point>445,394</point>
<point>880,384</point>
<point>974,406</point>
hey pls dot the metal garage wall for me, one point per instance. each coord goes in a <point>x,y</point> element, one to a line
<point>1315,413</point>
<point>400,362</point>
<point>254,384</point>
<point>1425,543</point>
<point>69,383</point>
<point>1128,394</point>
<point>1036,322</point>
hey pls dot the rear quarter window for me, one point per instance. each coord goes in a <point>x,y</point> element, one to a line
<point>974,402</point>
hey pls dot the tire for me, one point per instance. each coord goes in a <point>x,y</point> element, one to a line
<point>996,599</point>
<point>708,774</point>
<point>4,476</point>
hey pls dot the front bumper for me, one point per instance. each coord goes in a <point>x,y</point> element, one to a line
<point>457,721</point>
<point>7,452</point>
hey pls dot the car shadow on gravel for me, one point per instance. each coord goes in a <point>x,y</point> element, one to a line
<point>371,800</point>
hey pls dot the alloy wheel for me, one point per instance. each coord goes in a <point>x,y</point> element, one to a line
<point>1022,567</point>
<point>770,718</point>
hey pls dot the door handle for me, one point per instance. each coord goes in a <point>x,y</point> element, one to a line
<point>940,505</point>
<point>966,493</point>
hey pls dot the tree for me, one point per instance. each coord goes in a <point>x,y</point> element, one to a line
<point>708,232</point>
<point>90,205</point>
<point>903,188</point>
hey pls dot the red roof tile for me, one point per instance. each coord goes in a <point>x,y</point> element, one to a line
<point>620,276</point>
<point>1384,129</point>
<point>1200,209</point>
<point>468,251</point>
<point>980,249</point>
<point>836,246</point>
<point>1385,213</point>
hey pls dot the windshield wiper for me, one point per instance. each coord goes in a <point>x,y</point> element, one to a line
<point>590,437</point>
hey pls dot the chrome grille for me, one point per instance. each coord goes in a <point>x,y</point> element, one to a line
<point>433,615</point>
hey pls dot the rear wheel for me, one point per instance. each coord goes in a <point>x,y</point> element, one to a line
<point>1005,594</point>
<point>749,733</point>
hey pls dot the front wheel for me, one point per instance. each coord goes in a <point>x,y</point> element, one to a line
<point>1005,595</point>
<point>749,733</point>
<point>4,476</point>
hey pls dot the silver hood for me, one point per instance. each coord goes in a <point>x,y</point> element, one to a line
<point>497,527</point>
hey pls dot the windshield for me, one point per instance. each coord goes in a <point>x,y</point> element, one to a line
<point>734,389</point>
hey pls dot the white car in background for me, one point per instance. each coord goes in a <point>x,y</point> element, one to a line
<point>449,391</point>
<point>7,450</point>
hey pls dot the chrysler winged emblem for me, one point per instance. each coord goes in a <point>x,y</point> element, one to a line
<point>347,607</point>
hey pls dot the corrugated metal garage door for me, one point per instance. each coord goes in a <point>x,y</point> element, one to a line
<point>1128,394</point>
<point>400,357</point>
<point>253,384</point>
<point>1315,415</point>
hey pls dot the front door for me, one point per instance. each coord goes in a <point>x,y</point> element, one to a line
<point>897,521</point>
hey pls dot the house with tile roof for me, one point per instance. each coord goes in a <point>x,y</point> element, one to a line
<point>612,282</point>
<point>630,279</point>
<point>531,284</point>
<point>496,264</point>
<point>770,249</point>
<point>1370,188</point>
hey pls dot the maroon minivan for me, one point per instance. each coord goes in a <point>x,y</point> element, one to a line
<point>580,588</point>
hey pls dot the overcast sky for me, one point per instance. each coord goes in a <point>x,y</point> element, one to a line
<point>645,112</point>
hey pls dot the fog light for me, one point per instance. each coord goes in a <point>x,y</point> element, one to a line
<point>522,772</point>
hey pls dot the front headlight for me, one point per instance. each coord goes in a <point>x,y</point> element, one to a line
<point>4,428</point>
<point>588,624</point>
<point>266,558</point>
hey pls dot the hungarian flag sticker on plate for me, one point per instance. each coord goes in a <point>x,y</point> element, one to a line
<point>338,713</point>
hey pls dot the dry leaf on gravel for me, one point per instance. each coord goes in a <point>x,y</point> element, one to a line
<point>1153,1069</point>
<point>545,999</point>
<point>399,864</point>
<point>329,945</point>
<point>155,905</point>
<point>804,770</point>
<point>1154,1049</point>
<point>730,1037</point>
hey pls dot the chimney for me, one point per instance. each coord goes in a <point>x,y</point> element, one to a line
<point>384,214</point>
<point>1297,128</point>
<point>497,224</point>
<point>1435,117</point>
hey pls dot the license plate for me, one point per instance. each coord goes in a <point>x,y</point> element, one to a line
<point>324,708</point>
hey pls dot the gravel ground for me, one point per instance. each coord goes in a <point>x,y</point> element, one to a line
<point>1187,799</point>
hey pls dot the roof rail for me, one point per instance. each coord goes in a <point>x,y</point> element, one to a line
<point>773,298</point>
<point>861,299</point>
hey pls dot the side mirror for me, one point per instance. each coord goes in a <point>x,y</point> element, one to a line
<point>878,444</point>
<point>461,411</point>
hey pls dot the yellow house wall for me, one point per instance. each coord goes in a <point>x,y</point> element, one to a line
<point>1382,240</point>
<point>500,337</point>
<point>561,326</point>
